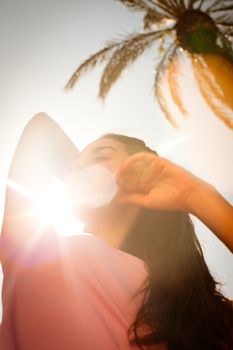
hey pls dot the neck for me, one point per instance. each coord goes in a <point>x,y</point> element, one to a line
<point>113,229</point>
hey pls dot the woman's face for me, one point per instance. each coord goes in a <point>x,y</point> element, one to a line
<point>105,151</point>
<point>91,179</point>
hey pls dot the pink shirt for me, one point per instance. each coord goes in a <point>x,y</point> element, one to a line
<point>68,294</point>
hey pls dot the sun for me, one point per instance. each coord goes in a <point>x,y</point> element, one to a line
<point>54,208</point>
<point>95,186</point>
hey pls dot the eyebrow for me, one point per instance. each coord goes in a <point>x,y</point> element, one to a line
<point>99,148</point>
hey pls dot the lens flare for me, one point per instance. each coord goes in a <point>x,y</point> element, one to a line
<point>92,186</point>
<point>166,147</point>
<point>54,207</point>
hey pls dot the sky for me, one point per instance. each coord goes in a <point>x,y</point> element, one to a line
<point>42,43</point>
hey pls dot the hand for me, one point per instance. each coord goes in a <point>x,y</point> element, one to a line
<point>156,183</point>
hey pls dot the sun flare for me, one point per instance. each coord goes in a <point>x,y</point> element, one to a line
<point>54,207</point>
<point>94,186</point>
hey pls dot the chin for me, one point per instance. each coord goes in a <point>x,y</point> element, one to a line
<point>87,214</point>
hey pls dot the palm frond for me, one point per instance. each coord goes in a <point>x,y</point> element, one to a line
<point>201,4</point>
<point>228,45</point>
<point>173,72</point>
<point>228,33</point>
<point>142,5</point>
<point>222,8</point>
<point>168,3</point>
<point>90,63</point>
<point>178,4</point>
<point>137,4</point>
<point>182,4</point>
<point>223,4</point>
<point>225,18</point>
<point>212,6</point>
<point>197,1</point>
<point>216,87</point>
<point>169,10</point>
<point>192,3</point>
<point>159,83</point>
<point>127,53</point>
<point>163,8</point>
<point>152,18</point>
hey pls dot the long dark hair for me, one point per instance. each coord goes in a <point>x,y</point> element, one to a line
<point>182,303</point>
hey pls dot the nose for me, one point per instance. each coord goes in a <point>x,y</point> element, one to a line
<point>76,164</point>
<point>73,168</point>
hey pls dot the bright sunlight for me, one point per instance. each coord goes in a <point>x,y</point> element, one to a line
<point>93,187</point>
<point>53,207</point>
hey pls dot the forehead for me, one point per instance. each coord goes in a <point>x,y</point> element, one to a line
<point>104,143</point>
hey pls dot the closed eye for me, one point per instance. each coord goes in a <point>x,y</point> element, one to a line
<point>101,158</point>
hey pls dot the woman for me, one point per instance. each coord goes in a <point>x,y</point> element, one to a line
<point>138,279</point>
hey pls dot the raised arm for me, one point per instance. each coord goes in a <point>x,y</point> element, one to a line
<point>209,206</point>
<point>43,149</point>
<point>156,183</point>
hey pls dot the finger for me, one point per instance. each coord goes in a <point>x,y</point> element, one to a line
<point>147,165</point>
<point>134,170</point>
<point>135,198</point>
<point>129,179</point>
<point>140,157</point>
<point>133,184</point>
<point>149,174</point>
<point>141,178</point>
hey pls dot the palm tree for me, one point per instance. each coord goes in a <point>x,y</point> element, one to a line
<point>202,29</point>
